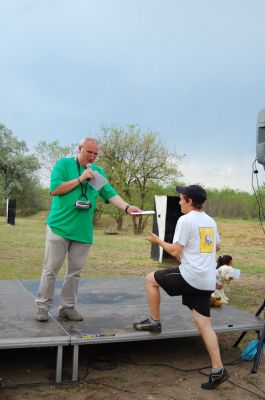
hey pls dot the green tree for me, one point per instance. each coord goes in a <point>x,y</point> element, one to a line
<point>135,161</point>
<point>49,153</point>
<point>230,203</point>
<point>33,197</point>
<point>15,165</point>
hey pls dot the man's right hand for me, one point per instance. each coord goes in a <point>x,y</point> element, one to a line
<point>86,175</point>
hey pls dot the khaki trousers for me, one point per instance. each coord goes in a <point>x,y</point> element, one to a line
<point>56,249</point>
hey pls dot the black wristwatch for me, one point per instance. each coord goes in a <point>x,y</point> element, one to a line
<point>126,208</point>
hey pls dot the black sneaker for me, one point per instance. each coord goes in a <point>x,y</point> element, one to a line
<point>215,379</point>
<point>147,325</point>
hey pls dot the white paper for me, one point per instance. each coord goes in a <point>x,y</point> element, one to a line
<point>236,273</point>
<point>143,213</point>
<point>98,181</point>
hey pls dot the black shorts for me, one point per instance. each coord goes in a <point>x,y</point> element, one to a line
<point>171,280</point>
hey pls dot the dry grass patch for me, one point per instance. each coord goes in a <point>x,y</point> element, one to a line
<point>123,254</point>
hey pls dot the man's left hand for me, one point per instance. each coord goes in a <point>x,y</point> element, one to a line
<point>133,209</point>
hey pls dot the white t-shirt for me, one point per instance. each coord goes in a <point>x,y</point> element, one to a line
<point>197,232</point>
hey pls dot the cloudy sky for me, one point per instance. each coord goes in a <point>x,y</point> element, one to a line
<point>192,70</point>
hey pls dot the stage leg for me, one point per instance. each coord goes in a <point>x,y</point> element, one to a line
<point>59,363</point>
<point>75,363</point>
<point>259,351</point>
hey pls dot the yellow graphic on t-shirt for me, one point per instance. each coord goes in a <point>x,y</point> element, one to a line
<point>206,240</point>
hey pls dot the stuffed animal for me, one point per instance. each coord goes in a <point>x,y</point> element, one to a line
<point>216,301</point>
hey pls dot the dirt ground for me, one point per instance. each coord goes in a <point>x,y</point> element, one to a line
<point>155,370</point>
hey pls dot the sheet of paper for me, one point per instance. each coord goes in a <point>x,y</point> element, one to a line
<point>143,213</point>
<point>98,181</point>
<point>236,273</point>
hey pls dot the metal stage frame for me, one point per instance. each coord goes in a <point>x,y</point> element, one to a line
<point>109,307</point>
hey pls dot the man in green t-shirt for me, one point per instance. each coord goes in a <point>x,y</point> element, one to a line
<point>70,226</point>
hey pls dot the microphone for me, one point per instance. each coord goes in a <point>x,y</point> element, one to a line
<point>89,165</point>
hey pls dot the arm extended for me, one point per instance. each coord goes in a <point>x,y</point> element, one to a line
<point>174,249</point>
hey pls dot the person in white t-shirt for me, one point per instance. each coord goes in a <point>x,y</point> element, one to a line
<point>195,243</point>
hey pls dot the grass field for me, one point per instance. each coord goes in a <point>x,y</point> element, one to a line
<point>22,247</point>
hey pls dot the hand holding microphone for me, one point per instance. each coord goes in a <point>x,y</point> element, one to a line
<point>87,174</point>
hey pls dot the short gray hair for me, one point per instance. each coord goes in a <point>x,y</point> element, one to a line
<point>88,139</point>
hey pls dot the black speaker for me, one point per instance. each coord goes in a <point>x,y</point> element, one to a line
<point>260,142</point>
<point>11,211</point>
<point>168,211</point>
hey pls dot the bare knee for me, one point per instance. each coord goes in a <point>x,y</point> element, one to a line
<point>150,280</point>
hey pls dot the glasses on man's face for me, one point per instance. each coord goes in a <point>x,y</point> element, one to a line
<point>90,152</point>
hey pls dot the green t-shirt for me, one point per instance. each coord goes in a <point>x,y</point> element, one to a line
<point>64,218</point>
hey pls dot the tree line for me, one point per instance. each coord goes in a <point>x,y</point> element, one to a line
<point>138,164</point>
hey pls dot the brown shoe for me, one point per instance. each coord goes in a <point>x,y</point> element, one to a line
<point>41,315</point>
<point>70,313</point>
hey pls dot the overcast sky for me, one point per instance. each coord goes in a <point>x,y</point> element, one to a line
<point>192,70</point>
